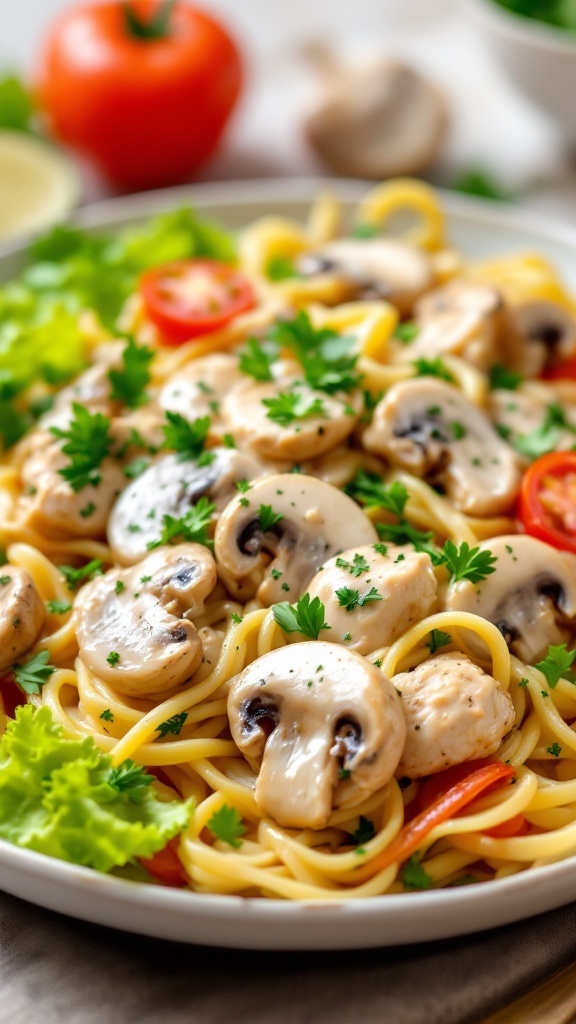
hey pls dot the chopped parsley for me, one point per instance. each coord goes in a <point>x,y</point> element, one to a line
<point>406,332</point>
<point>185,437</point>
<point>193,526</point>
<point>88,442</point>
<point>555,750</point>
<point>414,876</point>
<point>432,368</point>
<point>327,358</point>
<point>544,438</point>
<point>58,607</point>
<point>74,577</point>
<point>465,563</point>
<point>226,825</point>
<point>88,510</point>
<point>306,616</point>
<point>242,486</point>
<point>130,778</point>
<point>281,268</point>
<point>350,599</point>
<point>113,658</point>
<point>556,664</point>
<point>373,492</point>
<point>344,773</point>
<point>289,406</point>
<point>356,567</point>
<point>119,587</point>
<point>503,378</point>
<point>257,360</point>
<point>405,533</point>
<point>268,518</point>
<point>236,619</point>
<point>173,725</point>
<point>107,715</point>
<point>365,831</point>
<point>438,639</point>
<point>136,467</point>
<point>129,383</point>
<point>32,676</point>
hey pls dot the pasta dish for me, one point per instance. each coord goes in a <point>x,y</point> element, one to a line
<point>288,521</point>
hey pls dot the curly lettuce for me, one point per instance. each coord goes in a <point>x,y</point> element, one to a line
<point>62,797</point>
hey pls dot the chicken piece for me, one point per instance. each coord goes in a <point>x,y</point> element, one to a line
<point>22,614</point>
<point>454,712</point>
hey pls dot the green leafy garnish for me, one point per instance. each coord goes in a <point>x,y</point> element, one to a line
<point>173,725</point>
<point>16,107</point>
<point>365,231</point>
<point>281,268</point>
<point>113,658</point>
<point>406,332</point>
<point>544,438</point>
<point>432,368</point>
<point>405,533</point>
<point>185,437</point>
<point>373,492</point>
<point>306,616</point>
<point>477,181</point>
<point>74,577</point>
<point>88,442</point>
<point>414,876</point>
<point>438,639</point>
<point>268,517</point>
<point>365,831</point>
<point>503,378</point>
<point>32,675</point>
<point>193,526</point>
<point>556,665</point>
<point>288,406</point>
<point>356,567</point>
<point>349,599</point>
<point>129,383</point>
<point>60,796</point>
<point>107,715</point>
<point>465,563</point>
<point>58,607</point>
<point>555,750</point>
<point>226,825</point>
<point>325,356</point>
<point>256,360</point>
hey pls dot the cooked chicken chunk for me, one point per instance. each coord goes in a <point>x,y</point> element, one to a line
<point>22,614</point>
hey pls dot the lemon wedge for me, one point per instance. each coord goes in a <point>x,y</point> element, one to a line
<point>38,185</point>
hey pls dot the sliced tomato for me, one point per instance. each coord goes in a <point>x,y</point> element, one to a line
<point>564,371</point>
<point>547,503</point>
<point>166,865</point>
<point>11,694</point>
<point>189,298</point>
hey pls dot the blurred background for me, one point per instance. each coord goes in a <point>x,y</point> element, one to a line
<point>477,97</point>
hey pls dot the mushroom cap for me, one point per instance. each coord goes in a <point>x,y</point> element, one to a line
<point>520,412</point>
<point>329,707</point>
<point>171,486</point>
<point>540,333</point>
<point>22,614</point>
<point>148,622</point>
<point>374,267</point>
<point>404,579</point>
<point>317,521</point>
<point>463,318</point>
<point>530,594</point>
<point>380,121</point>
<point>432,430</point>
<point>454,712</point>
<point>247,419</point>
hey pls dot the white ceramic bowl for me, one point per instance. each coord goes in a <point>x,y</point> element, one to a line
<point>539,58</point>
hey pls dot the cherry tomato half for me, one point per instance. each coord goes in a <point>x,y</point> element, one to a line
<point>547,504</point>
<point>188,298</point>
<point>564,371</point>
<point>166,865</point>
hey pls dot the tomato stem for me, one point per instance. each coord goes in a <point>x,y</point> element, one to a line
<point>156,27</point>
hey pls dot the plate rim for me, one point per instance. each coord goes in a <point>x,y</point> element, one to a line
<point>118,894</point>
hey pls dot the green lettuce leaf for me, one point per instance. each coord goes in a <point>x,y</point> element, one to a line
<point>57,797</point>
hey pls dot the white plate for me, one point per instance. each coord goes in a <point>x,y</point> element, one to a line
<point>478,229</point>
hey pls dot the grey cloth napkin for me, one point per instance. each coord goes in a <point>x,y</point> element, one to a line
<point>55,970</point>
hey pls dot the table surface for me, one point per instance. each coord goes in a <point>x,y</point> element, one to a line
<point>502,132</point>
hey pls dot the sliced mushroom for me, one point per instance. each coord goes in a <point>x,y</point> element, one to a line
<point>310,710</point>
<point>531,596</point>
<point>379,120</point>
<point>518,413</point>
<point>248,419</point>
<point>171,486</point>
<point>374,268</point>
<point>463,318</point>
<point>540,333</point>
<point>50,506</point>
<point>454,712</point>
<point>431,429</point>
<point>22,614</point>
<point>405,589</point>
<point>314,521</point>
<point>91,389</point>
<point>197,388</point>
<point>133,625</point>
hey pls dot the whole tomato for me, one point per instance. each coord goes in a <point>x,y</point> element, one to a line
<point>142,88</point>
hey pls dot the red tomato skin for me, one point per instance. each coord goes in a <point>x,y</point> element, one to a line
<point>147,113</point>
<point>166,865</point>
<point>179,328</point>
<point>564,371</point>
<point>533,515</point>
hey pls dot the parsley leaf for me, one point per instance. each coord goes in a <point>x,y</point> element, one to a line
<point>280,268</point>
<point>173,725</point>
<point>107,715</point>
<point>438,639</point>
<point>465,563</point>
<point>372,491</point>
<point>349,599</point>
<point>405,533</point>
<point>32,676</point>
<point>432,368</point>
<point>58,607</point>
<point>556,664</point>
<point>555,750</point>
<point>129,383</point>
<point>185,437</point>
<point>325,356</point>
<point>306,616</point>
<point>356,567</point>
<point>288,406</point>
<point>365,831</point>
<point>193,526</point>
<point>414,876</point>
<point>132,779</point>
<point>16,107</point>
<point>544,438</point>
<point>365,230</point>
<point>257,359</point>
<point>74,577</point>
<point>226,825</point>
<point>88,442</point>
<point>406,332</point>
<point>503,378</point>
<point>268,518</point>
